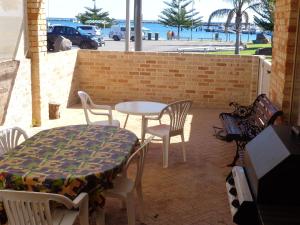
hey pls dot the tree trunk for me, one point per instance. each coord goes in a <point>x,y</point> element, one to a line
<point>238,24</point>
<point>178,32</point>
<point>237,42</point>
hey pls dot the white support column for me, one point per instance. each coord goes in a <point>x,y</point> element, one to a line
<point>127,35</point>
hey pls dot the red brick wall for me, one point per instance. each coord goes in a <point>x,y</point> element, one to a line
<point>209,80</point>
<point>284,42</point>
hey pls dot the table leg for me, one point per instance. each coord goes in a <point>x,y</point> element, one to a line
<point>144,125</point>
<point>127,115</point>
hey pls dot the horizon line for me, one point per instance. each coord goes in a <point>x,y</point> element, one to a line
<point>146,20</point>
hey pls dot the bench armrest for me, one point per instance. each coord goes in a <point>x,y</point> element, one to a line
<point>241,110</point>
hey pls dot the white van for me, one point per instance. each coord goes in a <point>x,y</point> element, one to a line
<point>118,32</point>
<point>89,29</point>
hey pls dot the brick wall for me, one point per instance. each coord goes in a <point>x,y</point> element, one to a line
<point>295,114</point>
<point>16,109</point>
<point>209,80</point>
<point>284,42</point>
<point>37,28</point>
<point>37,36</point>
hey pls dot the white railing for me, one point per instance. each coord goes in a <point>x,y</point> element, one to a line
<point>264,76</point>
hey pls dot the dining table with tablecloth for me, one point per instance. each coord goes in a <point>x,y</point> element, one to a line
<point>68,160</point>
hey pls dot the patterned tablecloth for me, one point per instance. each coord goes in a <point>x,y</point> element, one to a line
<point>67,160</point>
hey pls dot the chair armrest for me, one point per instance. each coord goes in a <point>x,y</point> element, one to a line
<point>78,200</point>
<point>101,107</point>
<point>100,113</point>
<point>104,107</point>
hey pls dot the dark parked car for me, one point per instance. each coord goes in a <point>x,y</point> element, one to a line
<point>84,41</point>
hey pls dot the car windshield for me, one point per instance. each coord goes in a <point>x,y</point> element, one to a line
<point>81,31</point>
<point>86,28</point>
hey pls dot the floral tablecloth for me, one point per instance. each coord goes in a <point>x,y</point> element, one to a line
<point>67,160</point>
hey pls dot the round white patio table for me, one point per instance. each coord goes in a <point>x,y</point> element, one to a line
<point>140,108</point>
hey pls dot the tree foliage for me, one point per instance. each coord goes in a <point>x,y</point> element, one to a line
<point>177,15</point>
<point>265,20</point>
<point>239,11</point>
<point>94,14</point>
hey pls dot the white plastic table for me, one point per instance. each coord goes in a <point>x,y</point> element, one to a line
<point>140,108</point>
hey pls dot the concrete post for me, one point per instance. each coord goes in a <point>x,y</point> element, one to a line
<point>138,24</point>
<point>127,35</point>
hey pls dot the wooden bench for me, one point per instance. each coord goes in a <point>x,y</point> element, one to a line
<point>245,122</point>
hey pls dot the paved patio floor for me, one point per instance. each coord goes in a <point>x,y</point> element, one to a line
<point>191,193</point>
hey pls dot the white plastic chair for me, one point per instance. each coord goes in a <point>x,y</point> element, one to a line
<point>10,138</point>
<point>124,187</point>
<point>89,106</point>
<point>33,208</point>
<point>177,112</point>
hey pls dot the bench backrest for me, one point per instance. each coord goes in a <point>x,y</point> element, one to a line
<point>264,113</point>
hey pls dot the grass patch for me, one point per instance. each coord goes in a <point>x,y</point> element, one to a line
<point>256,46</point>
<point>251,48</point>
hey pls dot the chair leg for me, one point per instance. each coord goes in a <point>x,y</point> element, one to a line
<point>166,143</point>
<point>240,147</point>
<point>183,147</point>
<point>130,208</point>
<point>125,123</point>
<point>139,192</point>
<point>84,212</point>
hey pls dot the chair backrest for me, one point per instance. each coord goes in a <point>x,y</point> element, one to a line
<point>85,101</point>
<point>10,138</point>
<point>139,155</point>
<point>30,208</point>
<point>177,112</point>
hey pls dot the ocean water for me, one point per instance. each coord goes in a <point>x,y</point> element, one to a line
<point>196,34</point>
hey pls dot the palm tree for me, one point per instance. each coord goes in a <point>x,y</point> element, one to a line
<point>266,15</point>
<point>176,15</point>
<point>239,11</point>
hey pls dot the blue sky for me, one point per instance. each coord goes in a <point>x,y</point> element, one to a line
<point>116,8</point>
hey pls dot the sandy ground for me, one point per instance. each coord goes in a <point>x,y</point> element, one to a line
<point>161,45</point>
